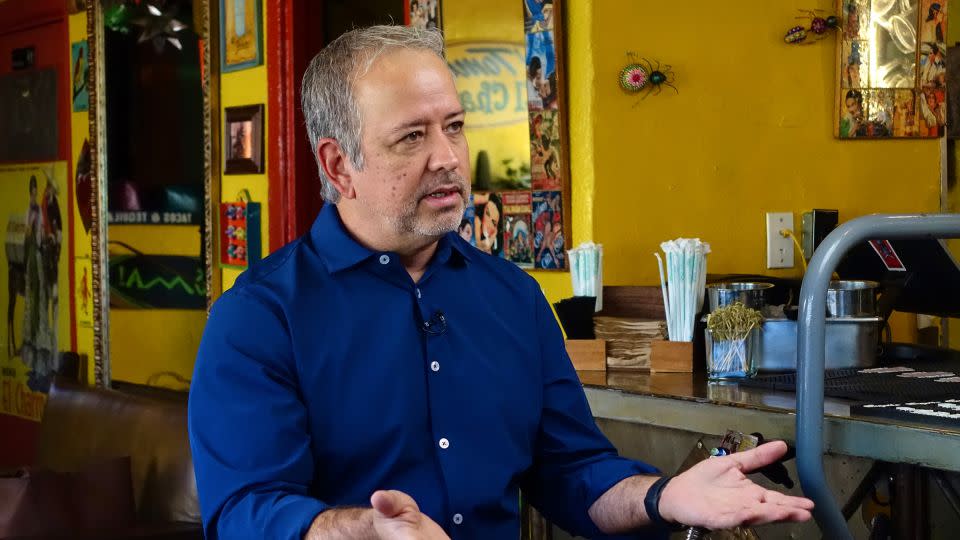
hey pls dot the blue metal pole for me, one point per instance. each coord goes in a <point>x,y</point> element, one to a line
<point>811,344</point>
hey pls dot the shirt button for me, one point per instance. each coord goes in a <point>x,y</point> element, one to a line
<point>435,366</point>
<point>444,443</point>
<point>384,259</point>
<point>457,519</point>
<point>418,293</point>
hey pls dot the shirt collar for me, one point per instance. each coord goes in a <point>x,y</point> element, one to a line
<point>340,251</point>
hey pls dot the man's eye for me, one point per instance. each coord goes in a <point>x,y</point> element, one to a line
<point>455,127</point>
<point>413,136</point>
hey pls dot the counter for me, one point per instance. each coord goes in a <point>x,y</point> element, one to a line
<point>689,402</point>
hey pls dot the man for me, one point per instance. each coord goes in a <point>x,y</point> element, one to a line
<point>381,378</point>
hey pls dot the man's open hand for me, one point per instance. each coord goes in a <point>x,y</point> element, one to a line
<point>397,516</point>
<point>716,493</point>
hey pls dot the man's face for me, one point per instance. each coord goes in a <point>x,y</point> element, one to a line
<point>415,179</point>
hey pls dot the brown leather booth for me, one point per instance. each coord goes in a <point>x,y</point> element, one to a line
<point>83,425</point>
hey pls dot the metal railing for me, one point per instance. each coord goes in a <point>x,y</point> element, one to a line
<point>811,351</point>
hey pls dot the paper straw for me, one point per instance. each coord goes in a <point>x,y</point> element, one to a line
<point>663,289</point>
<point>682,284</point>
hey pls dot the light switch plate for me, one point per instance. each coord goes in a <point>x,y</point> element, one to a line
<point>779,247</point>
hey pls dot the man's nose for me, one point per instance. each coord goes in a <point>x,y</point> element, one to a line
<point>443,153</point>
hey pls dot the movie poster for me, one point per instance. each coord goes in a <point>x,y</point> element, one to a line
<point>548,245</point>
<point>488,223</point>
<point>465,230</point>
<point>33,206</point>
<point>517,244</point>
<point>545,156</point>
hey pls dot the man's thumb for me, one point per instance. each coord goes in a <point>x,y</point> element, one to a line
<point>392,503</point>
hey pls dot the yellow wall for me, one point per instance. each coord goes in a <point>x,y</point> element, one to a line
<point>750,131</point>
<point>237,88</point>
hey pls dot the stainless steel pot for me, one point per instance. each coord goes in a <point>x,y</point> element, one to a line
<point>852,299</point>
<point>849,342</point>
<point>751,294</point>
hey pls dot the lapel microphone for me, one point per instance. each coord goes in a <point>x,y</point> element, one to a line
<point>436,326</point>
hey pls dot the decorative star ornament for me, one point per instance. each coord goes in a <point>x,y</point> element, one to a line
<point>159,27</point>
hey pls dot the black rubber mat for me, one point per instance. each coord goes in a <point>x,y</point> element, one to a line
<point>851,383</point>
<point>941,413</point>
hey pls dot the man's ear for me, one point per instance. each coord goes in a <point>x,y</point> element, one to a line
<point>336,166</point>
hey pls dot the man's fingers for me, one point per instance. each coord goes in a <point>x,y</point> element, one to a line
<point>755,458</point>
<point>788,500</point>
<point>762,513</point>
<point>392,503</point>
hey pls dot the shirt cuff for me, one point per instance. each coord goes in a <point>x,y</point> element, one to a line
<point>604,475</point>
<point>293,516</point>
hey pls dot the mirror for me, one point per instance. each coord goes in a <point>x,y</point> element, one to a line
<point>150,148</point>
<point>506,57</point>
<point>892,68</point>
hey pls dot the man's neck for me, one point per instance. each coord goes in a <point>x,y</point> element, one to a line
<point>416,261</point>
<point>415,254</point>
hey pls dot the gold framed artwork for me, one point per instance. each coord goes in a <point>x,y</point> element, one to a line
<point>891,59</point>
<point>241,34</point>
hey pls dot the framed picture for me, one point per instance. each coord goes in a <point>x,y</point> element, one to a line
<point>422,13</point>
<point>892,60</point>
<point>241,34</point>
<point>243,146</point>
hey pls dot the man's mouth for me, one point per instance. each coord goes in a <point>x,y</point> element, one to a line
<point>443,192</point>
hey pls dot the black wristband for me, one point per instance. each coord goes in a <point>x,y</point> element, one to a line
<point>651,503</point>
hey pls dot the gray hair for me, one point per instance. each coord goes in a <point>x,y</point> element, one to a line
<point>327,99</point>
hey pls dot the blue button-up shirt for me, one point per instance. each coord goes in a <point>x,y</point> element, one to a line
<point>317,383</point>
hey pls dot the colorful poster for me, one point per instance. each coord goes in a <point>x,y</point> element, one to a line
<point>545,171</point>
<point>79,72</point>
<point>465,230</point>
<point>537,15</point>
<point>541,72</point>
<point>36,271</point>
<point>487,223</point>
<point>423,13</point>
<point>548,242</point>
<point>517,228</point>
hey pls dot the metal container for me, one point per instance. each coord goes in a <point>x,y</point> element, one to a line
<point>751,294</point>
<point>852,299</point>
<point>850,342</point>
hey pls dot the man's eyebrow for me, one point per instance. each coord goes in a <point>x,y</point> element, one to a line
<point>423,121</point>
